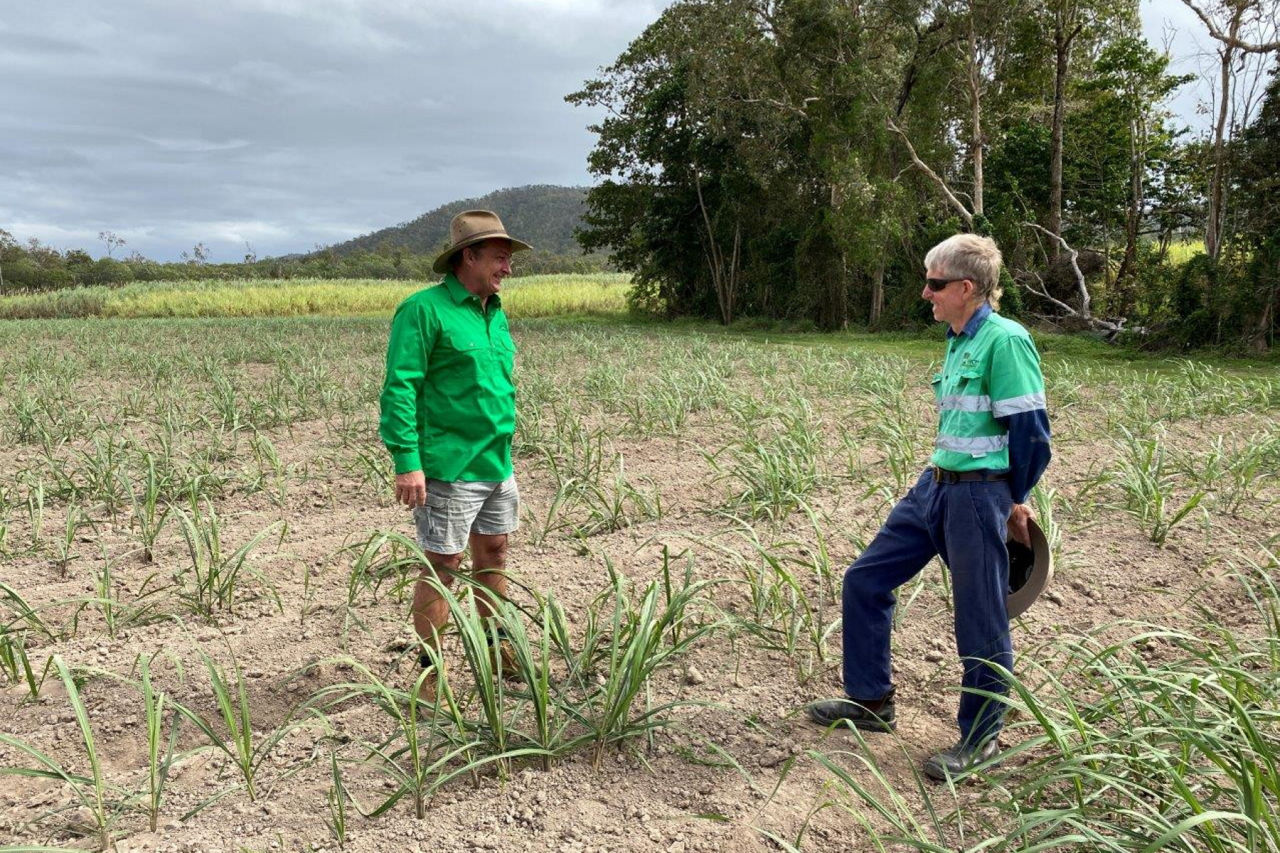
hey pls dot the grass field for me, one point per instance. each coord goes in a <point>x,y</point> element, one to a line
<point>1183,251</point>
<point>204,596</point>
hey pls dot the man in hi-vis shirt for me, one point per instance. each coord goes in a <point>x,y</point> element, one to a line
<point>991,448</point>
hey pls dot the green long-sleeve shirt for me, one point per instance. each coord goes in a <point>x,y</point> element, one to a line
<point>449,398</point>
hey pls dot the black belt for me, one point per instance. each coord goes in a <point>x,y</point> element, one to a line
<point>942,475</point>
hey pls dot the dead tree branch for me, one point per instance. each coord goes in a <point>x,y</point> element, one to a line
<point>1231,39</point>
<point>922,166</point>
<point>1083,313</point>
<point>1073,257</point>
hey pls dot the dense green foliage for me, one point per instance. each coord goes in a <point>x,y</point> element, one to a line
<point>1236,296</point>
<point>796,158</point>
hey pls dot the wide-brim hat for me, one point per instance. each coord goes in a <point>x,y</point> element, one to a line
<point>1030,570</point>
<point>471,227</point>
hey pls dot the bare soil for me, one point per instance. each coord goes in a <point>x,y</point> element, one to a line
<point>673,793</point>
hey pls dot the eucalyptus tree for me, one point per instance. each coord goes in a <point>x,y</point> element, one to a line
<point>743,161</point>
<point>1118,144</point>
<point>1258,232</point>
<point>1242,29</point>
<point>1133,78</point>
<point>1062,24</point>
<point>669,183</point>
<point>834,69</point>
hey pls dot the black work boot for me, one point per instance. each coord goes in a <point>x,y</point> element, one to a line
<point>957,761</point>
<point>870,715</point>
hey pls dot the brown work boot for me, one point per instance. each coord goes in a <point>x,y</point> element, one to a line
<point>428,687</point>
<point>502,655</point>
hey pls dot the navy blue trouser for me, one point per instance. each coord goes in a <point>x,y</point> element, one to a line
<point>965,524</point>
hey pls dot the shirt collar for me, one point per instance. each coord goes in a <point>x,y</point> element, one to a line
<point>975,322</point>
<point>460,294</point>
<point>457,289</point>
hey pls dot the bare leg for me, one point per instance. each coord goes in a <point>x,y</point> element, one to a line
<point>430,610</point>
<point>488,564</point>
<point>489,560</point>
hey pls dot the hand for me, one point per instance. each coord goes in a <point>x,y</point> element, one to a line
<point>411,488</point>
<point>1018,518</point>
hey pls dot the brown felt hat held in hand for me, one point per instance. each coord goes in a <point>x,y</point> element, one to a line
<point>1030,570</point>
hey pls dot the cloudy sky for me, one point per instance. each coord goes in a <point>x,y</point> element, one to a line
<point>279,125</point>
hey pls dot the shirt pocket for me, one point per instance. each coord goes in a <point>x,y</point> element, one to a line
<point>504,354</point>
<point>969,381</point>
<point>459,348</point>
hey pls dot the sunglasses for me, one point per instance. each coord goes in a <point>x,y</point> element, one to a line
<point>937,284</point>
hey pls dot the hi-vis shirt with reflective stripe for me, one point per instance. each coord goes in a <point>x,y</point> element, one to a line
<point>992,373</point>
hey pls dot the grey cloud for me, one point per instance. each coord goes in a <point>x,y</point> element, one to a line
<point>286,122</point>
<point>28,44</point>
<point>294,121</point>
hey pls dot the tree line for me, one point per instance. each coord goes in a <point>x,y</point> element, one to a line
<point>796,158</point>
<point>32,266</point>
<point>543,215</point>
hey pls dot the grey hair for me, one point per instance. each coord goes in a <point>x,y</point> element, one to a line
<point>970,256</point>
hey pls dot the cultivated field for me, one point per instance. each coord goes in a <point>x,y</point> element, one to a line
<point>204,617</point>
<point>525,296</point>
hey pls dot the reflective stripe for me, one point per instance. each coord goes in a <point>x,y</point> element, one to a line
<point>965,403</point>
<point>975,445</point>
<point>1015,405</point>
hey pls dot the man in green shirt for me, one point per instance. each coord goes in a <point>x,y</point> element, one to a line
<point>448,414</point>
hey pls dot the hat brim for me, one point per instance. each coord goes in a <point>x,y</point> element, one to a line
<point>1038,578</point>
<point>441,264</point>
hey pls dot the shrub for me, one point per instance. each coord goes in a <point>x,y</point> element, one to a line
<point>108,271</point>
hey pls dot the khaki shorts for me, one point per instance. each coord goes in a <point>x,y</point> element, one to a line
<point>456,510</point>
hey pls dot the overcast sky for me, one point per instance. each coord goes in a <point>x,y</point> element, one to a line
<point>284,124</point>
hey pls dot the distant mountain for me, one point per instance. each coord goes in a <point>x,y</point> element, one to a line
<point>542,215</point>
